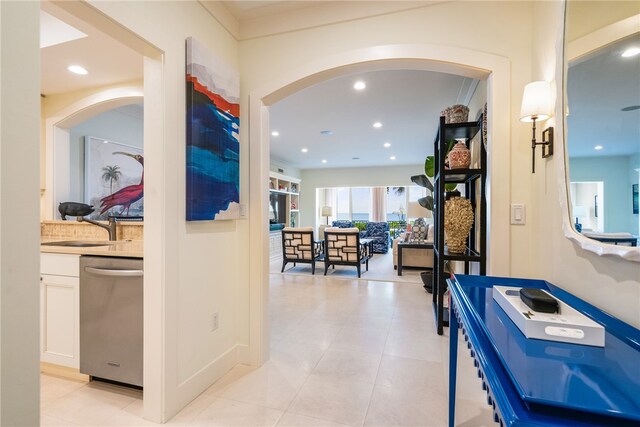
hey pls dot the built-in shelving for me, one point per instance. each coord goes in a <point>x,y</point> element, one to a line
<point>282,184</point>
<point>474,181</point>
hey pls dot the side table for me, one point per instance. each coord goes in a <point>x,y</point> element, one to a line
<point>539,383</point>
<point>410,245</point>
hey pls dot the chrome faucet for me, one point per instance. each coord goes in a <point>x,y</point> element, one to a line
<point>111,227</point>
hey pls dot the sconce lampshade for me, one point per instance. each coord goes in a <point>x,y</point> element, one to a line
<point>414,210</point>
<point>536,102</point>
<point>326,211</point>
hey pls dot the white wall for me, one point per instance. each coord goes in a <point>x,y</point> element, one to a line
<point>479,98</point>
<point>287,169</point>
<point>609,283</point>
<point>19,231</point>
<point>538,249</point>
<point>312,179</point>
<point>113,125</point>
<point>199,264</point>
<point>618,174</point>
<point>266,59</point>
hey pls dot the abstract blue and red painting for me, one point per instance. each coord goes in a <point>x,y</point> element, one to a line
<point>213,146</point>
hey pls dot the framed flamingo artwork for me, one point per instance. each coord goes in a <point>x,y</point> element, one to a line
<point>114,178</point>
<point>212,140</point>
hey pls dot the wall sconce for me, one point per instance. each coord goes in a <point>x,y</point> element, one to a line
<point>536,105</point>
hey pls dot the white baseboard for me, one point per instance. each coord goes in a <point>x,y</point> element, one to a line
<point>63,371</point>
<point>197,383</point>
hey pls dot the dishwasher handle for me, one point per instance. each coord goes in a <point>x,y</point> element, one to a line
<point>114,272</point>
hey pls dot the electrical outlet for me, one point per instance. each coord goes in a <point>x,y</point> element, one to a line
<point>214,321</point>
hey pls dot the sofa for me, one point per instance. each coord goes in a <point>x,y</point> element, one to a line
<point>379,232</point>
<point>342,223</point>
<point>414,257</point>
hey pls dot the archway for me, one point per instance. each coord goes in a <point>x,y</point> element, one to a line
<point>57,132</point>
<point>438,58</point>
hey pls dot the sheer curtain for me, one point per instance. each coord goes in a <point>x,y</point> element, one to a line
<point>378,209</point>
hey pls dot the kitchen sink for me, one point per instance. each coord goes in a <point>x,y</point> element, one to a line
<point>79,243</point>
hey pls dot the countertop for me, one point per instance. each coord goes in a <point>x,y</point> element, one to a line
<point>119,248</point>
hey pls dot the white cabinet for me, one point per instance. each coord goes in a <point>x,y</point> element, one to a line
<point>60,309</point>
<point>275,246</point>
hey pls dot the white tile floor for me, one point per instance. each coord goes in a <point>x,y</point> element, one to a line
<point>343,352</point>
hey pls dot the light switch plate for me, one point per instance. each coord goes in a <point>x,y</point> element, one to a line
<point>243,210</point>
<point>518,214</point>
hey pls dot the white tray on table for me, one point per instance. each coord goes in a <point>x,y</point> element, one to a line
<point>568,325</point>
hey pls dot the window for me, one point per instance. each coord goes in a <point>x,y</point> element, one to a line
<point>360,203</point>
<point>342,201</point>
<point>396,203</point>
<point>416,192</point>
<point>398,199</point>
<point>354,203</point>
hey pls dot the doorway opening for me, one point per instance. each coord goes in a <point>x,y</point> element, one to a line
<point>67,103</point>
<point>451,60</point>
<point>587,200</point>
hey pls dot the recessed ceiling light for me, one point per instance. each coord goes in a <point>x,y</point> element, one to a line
<point>324,160</point>
<point>359,85</point>
<point>326,132</point>
<point>377,125</point>
<point>598,147</point>
<point>387,144</point>
<point>275,133</point>
<point>392,158</point>
<point>76,69</point>
<point>632,51</point>
<point>304,150</point>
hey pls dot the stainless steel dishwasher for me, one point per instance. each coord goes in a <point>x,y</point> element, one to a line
<point>111,318</point>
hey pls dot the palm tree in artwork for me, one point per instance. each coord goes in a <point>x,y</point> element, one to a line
<point>111,174</point>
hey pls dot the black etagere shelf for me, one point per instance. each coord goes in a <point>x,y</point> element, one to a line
<point>470,178</point>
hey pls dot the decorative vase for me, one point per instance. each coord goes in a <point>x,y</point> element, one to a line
<point>459,156</point>
<point>458,219</point>
<point>419,230</point>
<point>455,114</point>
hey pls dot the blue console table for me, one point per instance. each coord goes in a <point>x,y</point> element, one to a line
<point>532,382</point>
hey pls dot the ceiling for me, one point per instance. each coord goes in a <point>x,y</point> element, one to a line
<point>407,103</point>
<point>107,60</point>
<point>598,88</point>
<point>247,20</point>
<point>244,10</point>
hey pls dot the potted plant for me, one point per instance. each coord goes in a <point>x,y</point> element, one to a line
<point>429,172</point>
<point>427,203</point>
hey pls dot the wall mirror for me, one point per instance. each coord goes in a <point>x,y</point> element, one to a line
<point>602,109</point>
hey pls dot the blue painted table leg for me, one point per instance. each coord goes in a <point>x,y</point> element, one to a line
<point>453,362</point>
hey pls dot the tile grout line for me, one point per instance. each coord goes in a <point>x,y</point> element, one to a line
<point>375,381</point>
<point>324,351</point>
